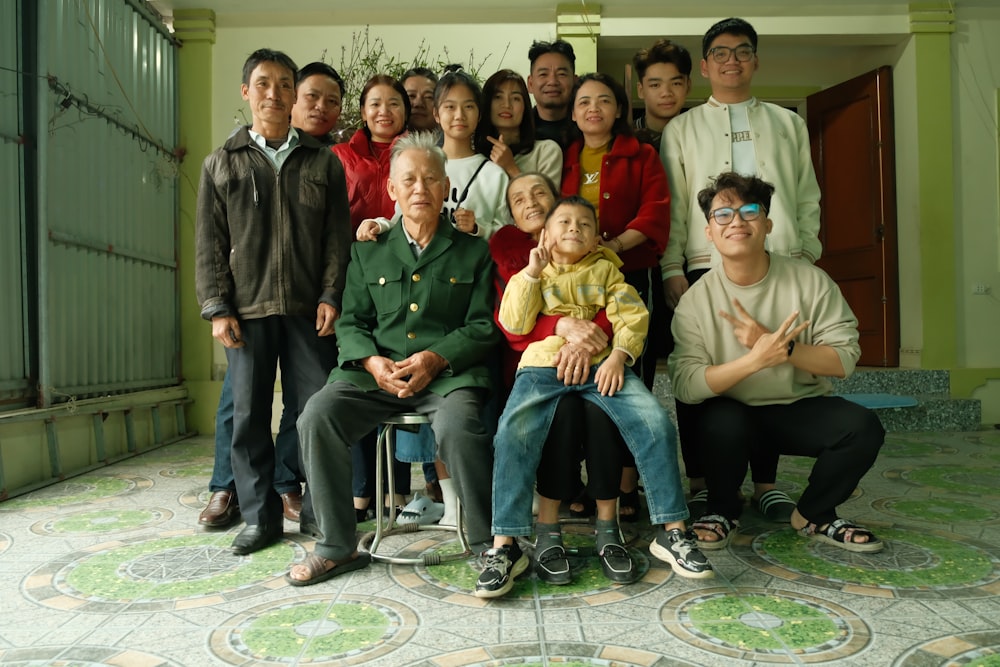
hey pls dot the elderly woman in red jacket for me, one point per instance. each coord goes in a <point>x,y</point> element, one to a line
<point>625,181</point>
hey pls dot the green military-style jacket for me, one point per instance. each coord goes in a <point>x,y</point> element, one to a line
<point>395,305</point>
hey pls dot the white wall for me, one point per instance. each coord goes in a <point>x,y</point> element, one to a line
<point>495,46</point>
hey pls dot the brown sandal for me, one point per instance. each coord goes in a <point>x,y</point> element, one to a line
<point>319,571</point>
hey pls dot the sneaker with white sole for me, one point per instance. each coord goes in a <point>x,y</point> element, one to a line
<point>680,549</point>
<point>421,510</point>
<point>501,566</point>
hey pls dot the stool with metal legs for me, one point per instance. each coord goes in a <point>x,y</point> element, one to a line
<point>385,526</point>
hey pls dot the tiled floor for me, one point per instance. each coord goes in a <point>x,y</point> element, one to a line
<point>109,569</point>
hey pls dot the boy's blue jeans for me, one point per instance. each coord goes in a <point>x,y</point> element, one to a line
<point>642,421</point>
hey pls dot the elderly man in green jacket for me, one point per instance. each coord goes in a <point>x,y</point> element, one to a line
<point>416,328</point>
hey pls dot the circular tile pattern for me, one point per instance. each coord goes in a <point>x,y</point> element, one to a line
<point>185,570</point>
<point>194,470</point>
<point>970,649</point>
<point>87,489</point>
<point>5,542</point>
<point>936,510</point>
<point>911,563</point>
<point>102,521</point>
<point>81,656</point>
<point>978,481</point>
<point>314,629</point>
<point>765,625</point>
<point>910,447</point>
<point>564,654</point>
<point>455,581</point>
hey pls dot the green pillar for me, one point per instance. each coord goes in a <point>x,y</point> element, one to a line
<point>932,24</point>
<point>195,29</point>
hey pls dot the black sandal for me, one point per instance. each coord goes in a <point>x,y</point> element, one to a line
<point>628,500</point>
<point>840,533</point>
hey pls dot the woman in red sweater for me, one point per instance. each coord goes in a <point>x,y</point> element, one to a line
<point>385,108</point>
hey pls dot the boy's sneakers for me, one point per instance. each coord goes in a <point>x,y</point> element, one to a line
<point>552,566</point>
<point>680,549</point>
<point>501,565</point>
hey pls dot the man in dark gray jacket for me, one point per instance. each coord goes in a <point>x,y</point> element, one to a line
<point>272,242</point>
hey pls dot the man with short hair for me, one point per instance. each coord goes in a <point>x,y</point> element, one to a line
<point>319,96</point>
<point>319,90</point>
<point>551,81</point>
<point>415,334</point>
<point>271,242</point>
<point>664,73</point>
<point>734,131</point>
<point>419,84</point>
<point>757,340</point>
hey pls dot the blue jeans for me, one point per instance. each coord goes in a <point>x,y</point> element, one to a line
<point>286,445</point>
<point>641,420</point>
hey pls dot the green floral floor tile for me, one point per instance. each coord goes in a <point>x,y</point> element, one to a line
<point>911,559</point>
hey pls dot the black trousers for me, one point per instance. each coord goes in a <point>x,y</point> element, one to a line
<point>842,436</point>
<point>581,430</point>
<point>306,360</point>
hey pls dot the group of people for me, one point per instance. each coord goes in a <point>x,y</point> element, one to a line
<point>512,273</point>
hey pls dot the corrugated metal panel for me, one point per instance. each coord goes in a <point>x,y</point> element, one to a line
<point>13,351</point>
<point>109,322</point>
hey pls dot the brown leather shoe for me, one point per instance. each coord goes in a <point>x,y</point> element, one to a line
<point>291,503</point>
<point>223,510</point>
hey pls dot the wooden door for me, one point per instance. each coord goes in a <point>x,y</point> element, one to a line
<point>851,131</point>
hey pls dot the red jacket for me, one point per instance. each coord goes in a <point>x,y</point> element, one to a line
<point>510,248</point>
<point>367,173</point>
<point>634,195</point>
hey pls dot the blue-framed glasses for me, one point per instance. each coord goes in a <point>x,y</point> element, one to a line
<point>749,212</point>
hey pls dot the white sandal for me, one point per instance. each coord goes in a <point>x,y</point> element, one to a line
<point>421,510</point>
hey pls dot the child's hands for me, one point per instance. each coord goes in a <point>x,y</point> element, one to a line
<point>610,376</point>
<point>465,220</point>
<point>538,258</point>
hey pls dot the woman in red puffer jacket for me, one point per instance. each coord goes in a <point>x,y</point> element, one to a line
<point>385,108</point>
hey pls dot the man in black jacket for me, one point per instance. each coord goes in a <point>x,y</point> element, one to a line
<point>272,241</point>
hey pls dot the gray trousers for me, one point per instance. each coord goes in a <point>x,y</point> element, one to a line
<point>340,414</point>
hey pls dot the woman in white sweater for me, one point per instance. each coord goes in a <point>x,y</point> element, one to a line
<point>506,134</point>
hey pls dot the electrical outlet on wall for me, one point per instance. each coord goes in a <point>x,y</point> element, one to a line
<point>981,288</point>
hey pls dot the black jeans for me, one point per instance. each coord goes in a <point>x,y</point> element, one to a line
<point>842,436</point>
<point>581,430</point>
<point>306,360</point>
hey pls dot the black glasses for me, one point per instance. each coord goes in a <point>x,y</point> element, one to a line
<point>726,214</point>
<point>743,53</point>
